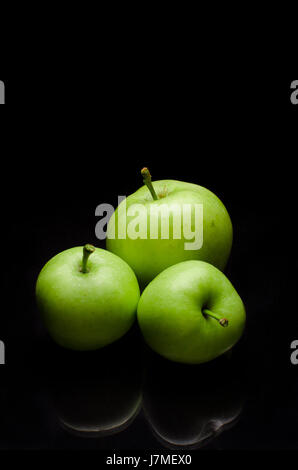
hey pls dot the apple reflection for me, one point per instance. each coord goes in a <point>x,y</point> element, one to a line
<point>101,400</point>
<point>189,406</point>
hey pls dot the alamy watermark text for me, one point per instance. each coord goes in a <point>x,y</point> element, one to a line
<point>162,221</point>
<point>2,353</point>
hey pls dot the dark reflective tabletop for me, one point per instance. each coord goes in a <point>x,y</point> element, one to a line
<point>126,397</point>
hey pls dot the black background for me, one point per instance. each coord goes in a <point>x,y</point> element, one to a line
<point>74,140</point>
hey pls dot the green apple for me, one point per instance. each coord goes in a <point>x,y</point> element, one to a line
<point>87,303</point>
<point>191,313</point>
<point>148,256</point>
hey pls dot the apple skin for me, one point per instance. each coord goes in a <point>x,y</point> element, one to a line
<point>148,257</point>
<point>171,319</point>
<point>85,311</point>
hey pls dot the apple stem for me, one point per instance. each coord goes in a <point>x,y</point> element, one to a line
<point>87,250</point>
<point>147,181</point>
<point>222,321</point>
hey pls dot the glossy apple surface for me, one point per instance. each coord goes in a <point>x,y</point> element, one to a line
<point>171,318</point>
<point>87,310</point>
<point>148,257</point>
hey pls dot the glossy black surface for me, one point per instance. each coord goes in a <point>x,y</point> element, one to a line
<point>126,397</point>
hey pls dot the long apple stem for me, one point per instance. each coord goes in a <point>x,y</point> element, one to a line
<point>87,250</point>
<point>147,181</point>
<point>222,321</point>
